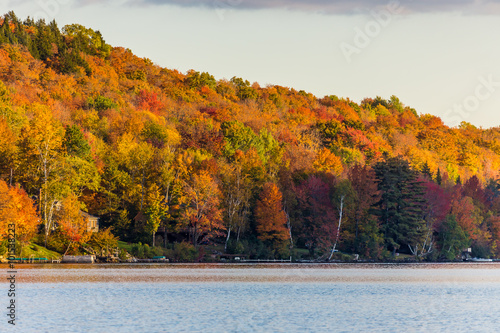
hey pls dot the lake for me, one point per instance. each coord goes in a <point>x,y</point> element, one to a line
<point>462,297</point>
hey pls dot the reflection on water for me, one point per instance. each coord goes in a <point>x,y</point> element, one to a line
<point>304,273</point>
<point>257,298</point>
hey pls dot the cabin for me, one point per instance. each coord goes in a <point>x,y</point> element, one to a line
<point>92,221</point>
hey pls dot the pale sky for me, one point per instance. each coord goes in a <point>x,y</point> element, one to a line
<point>439,57</point>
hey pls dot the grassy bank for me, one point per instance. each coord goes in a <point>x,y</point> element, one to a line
<point>33,251</point>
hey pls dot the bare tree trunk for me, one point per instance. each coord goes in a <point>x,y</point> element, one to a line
<point>413,250</point>
<point>338,227</point>
<point>67,248</point>
<point>48,220</point>
<point>425,249</point>
<point>227,238</point>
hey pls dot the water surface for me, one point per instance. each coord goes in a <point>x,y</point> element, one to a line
<point>256,298</point>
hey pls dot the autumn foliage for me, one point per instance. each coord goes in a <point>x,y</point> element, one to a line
<point>166,157</point>
<point>17,209</point>
<point>270,217</point>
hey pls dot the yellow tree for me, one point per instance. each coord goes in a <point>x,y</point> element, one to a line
<point>8,149</point>
<point>41,144</point>
<point>328,162</point>
<point>135,159</point>
<point>141,158</point>
<point>156,210</point>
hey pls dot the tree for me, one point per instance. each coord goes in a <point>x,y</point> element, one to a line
<point>148,100</point>
<point>466,214</point>
<point>316,213</point>
<point>8,149</point>
<point>363,225</point>
<point>87,40</point>
<point>270,217</point>
<point>18,209</point>
<point>400,207</point>
<point>426,171</point>
<point>236,193</point>
<point>437,206</point>
<point>326,161</point>
<point>41,144</point>
<point>243,89</point>
<point>202,216</point>
<point>197,80</point>
<point>473,189</point>
<point>452,238</point>
<point>76,175</point>
<point>239,137</point>
<point>439,178</point>
<point>71,224</point>
<point>101,242</point>
<point>156,210</point>
<point>343,194</point>
<point>136,157</point>
<point>75,143</point>
<point>288,190</point>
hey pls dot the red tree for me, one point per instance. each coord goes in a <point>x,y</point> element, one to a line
<point>148,100</point>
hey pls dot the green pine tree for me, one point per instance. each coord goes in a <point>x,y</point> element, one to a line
<point>426,171</point>
<point>400,207</point>
<point>439,178</point>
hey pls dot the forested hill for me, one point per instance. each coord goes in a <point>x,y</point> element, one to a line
<point>147,148</point>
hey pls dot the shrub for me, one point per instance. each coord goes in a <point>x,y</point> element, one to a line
<point>182,252</point>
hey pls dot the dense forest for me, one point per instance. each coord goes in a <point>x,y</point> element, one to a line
<point>187,162</point>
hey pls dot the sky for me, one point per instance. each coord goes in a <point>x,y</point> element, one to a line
<point>438,57</point>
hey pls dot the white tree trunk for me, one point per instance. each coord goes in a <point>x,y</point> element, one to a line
<point>227,238</point>
<point>338,226</point>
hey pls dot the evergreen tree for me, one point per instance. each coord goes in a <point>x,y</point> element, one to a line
<point>31,43</point>
<point>426,171</point>
<point>56,36</point>
<point>8,35</point>
<point>43,40</point>
<point>400,207</point>
<point>439,178</point>
<point>3,37</point>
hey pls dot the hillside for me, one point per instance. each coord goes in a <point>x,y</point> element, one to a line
<point>156,152</point>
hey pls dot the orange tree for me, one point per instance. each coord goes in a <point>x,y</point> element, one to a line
<point>18,209</point>
<point>72,226</point>
<point>271,218</point>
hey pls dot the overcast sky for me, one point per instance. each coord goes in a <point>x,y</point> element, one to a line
<point>439,57</point>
